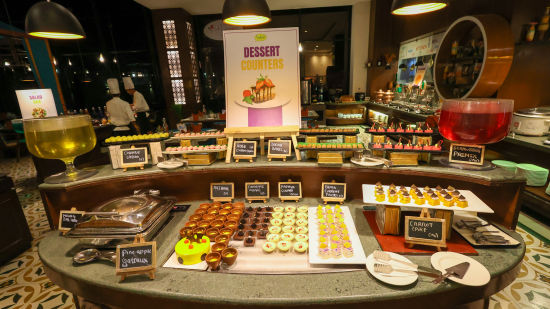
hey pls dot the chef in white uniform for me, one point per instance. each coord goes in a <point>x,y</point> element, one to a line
<point>139,104</point>
<point>120,113</point>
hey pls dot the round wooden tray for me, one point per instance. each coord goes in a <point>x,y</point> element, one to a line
<point>498,52</point>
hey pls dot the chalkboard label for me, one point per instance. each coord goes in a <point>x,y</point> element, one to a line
<point>133,156</point>
<point>333,190</point>
<point>427,231</point>
<point>136,257</point>
<point>290,189</point>
<point>244,148</point>
<point>69,219</point>
<point>222,190</point>
<point>257,189</point>
<point>279,148</point>
<point>467,154</point>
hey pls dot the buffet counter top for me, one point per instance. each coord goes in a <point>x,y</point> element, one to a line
<point>174,287</point>
<point>532,142</point>
<point>107,173</point>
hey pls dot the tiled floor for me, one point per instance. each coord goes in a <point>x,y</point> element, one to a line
<point>23,283</point>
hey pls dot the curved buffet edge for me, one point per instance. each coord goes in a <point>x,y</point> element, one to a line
<point>498,188</point>
<point>174,288</point>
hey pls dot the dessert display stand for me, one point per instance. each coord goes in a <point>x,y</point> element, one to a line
<point>261,133</point>
<point>323,156</point>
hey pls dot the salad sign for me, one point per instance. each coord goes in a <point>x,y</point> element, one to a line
<point>36,103</point>
<point>262,77</point>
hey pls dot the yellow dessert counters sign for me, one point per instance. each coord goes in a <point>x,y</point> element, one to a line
<point>262,77</point>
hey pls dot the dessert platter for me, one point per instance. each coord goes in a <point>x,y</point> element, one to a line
<point>379,129</point>
<point>409,147</point>
<point>267,240</point>
<point>333,237</point>
<point>194,149</point>
<point>199,136</point>
<point>328,131</point>
<point>449,198</point>
<point>331,146</point>
<point>132,139</point>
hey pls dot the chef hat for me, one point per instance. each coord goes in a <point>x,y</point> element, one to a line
<point>128,83</point>
<point>112,83</point>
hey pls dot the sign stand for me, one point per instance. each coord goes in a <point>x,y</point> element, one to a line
<point>237,157</point>
<point>425,216</point>
<point>327,198</point>
<point>271,155</point>
<point>262,133</point>
<point>148,270</point>
<point>63,213</point>
<point>295,198</point>
<point>215,198</point>
<point>256,198</point>
<point>141,165</point>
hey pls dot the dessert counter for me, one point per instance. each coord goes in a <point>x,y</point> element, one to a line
<point>193,289</point>
<point>500,189</point>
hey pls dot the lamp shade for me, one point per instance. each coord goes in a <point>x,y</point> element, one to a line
<point>53,21</point>
<point>413,7</point>
<point>246,12</point>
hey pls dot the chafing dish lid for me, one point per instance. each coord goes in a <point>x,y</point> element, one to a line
<point>134,214</point>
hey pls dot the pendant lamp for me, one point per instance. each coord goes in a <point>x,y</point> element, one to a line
<point>413,7</point>
<point>52,21</point>
<point>246,12</point>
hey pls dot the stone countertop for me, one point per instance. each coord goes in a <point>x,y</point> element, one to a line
<point>106,172</point>
<point>301,289</point>
<point>532,142</point>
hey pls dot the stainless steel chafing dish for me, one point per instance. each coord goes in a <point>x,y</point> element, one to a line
<point>119,220</point>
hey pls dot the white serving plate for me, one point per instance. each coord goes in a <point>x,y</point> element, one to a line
<point>169,164</point>
<point>475,204</point>
<point>194,151</point>
<point>476,275</point>
<point>358,252</point>
<point>395,277</point>
<point>197,137</point>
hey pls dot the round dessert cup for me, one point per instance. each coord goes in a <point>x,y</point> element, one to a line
<point>209,217</point>
<point>195,218</point>
<point>213,260</point>
<point>222,239</point>
<point>233,217</point>
<point>205,206</point>
<point>199,230</point>
<point>226,231</point>
<point>200,212</point>
<point>204,223</point>
<point>216,224</point>
<point>221,218</point>
<point>185,231</point>
<point>230,224</point>
<point>229,256</point>
<point>218,247</point>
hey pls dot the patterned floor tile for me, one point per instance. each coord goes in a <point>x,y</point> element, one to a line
<point>23,283</point>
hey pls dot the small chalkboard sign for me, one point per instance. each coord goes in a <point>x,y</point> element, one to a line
<point>290,191</point>
<point>244,150</point>
<point>424,230</point>
<point>137,258</point>
<point>333,192</point>
<point>222,191</point>
<point>133,157</point>
<point>279,149</point>
<point>256,191</point>
<point>68,219</point>
<point>467,154</point>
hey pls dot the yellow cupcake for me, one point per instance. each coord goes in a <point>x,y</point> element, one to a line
<point>419,200</point>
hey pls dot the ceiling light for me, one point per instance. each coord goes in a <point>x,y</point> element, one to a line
<point>305,31</point>
<point>54,61</point>
<point>300,48</point>
<point>413,7</point>
<point>70,63</point>
<point>114,60</point>
<point>101,59</point>
<point>52,21</point>
<point>7,63</point>
<point>246,12</point>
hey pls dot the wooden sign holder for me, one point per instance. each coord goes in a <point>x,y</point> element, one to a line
<point>438,244</point>
<point>239,157</point>
<point>332,199</point>
<point>222,199</point>
<point>64,230</point>
<point>276,156</point>
<point>148,270</point>
<point>262,133</point>
<point>140,165</point>
<point>256,198</point>
<point>290,198</point>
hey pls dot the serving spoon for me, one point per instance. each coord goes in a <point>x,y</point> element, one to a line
<point>89,255</point>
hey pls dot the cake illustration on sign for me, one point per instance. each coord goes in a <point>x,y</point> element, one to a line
<point>261,92</point>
